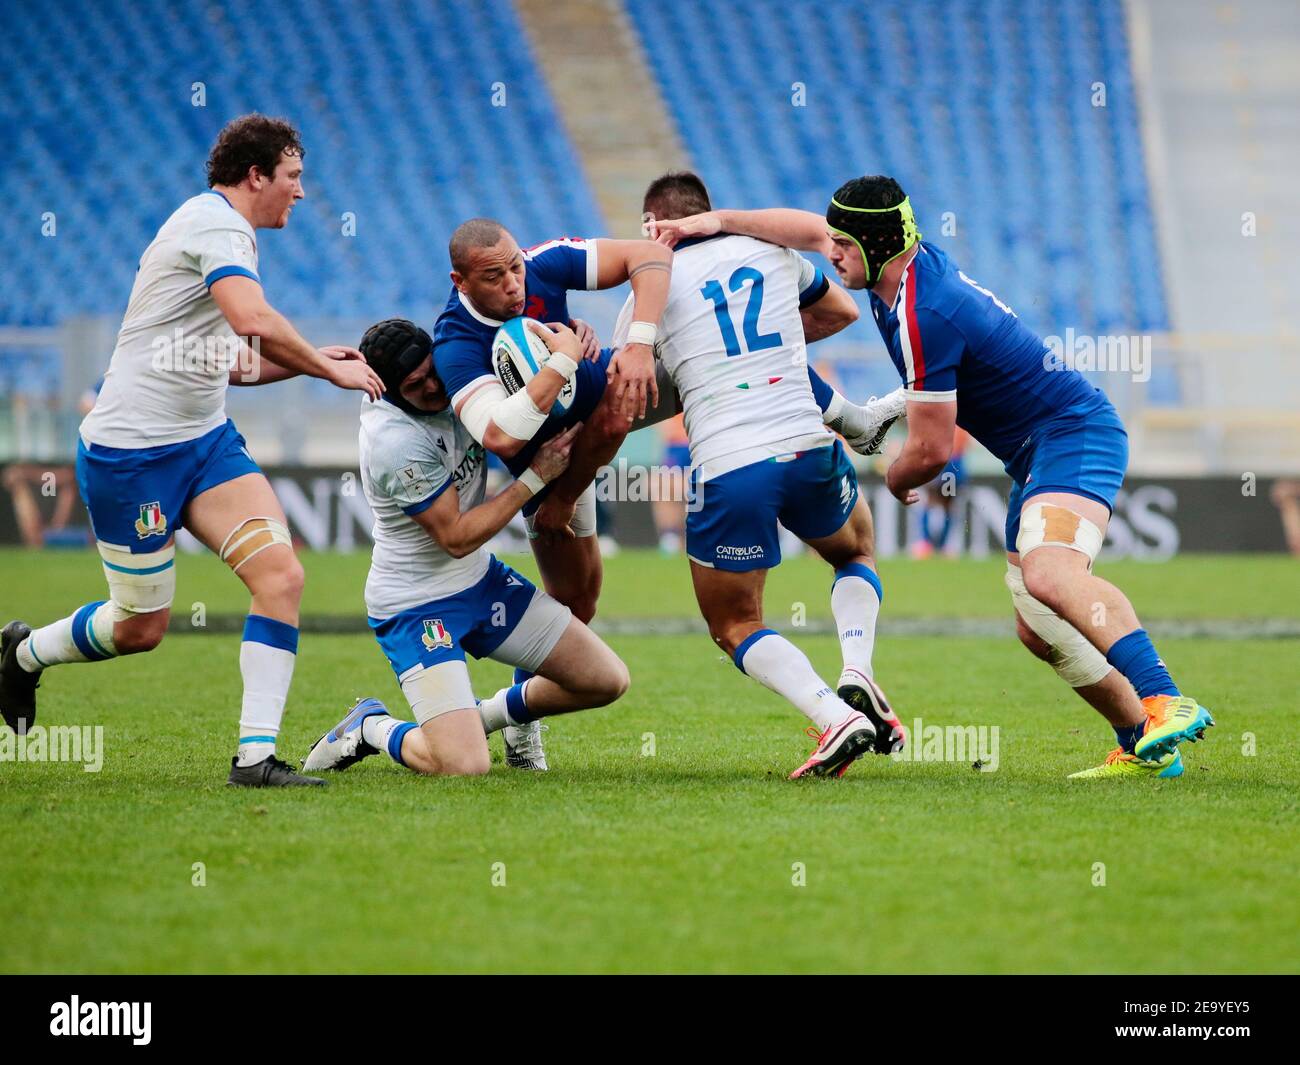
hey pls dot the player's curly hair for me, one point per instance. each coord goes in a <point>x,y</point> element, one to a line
<point>875,191</point>
<point>251,141</point>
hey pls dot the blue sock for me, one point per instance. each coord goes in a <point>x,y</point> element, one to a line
<point>395,740</point>
<point>516,708</point>
<point>945,530</point>
<point>822,392</point>
<point>521,675</point>
<point>1135,657</point>
<point>1128,737</point>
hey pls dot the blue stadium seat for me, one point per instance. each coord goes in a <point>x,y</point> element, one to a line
<point>393,99</point>
<point>982,109</point>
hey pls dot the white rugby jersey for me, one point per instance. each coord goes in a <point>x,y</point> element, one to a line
<point>732,339</point>
<point>407,462</point>
<point>166,382</point>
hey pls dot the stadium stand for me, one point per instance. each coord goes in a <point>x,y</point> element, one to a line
<point>395,103</point>
<point>1036,180</point>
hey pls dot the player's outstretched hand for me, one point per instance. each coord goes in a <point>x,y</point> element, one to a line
<point>552,458</point>
<point>559,337</point>
<point>354,374</point>
<point>341,352</point>
<point>669,231</point>
<point>631,373</point>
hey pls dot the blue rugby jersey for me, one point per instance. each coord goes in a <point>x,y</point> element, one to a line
<point>951,339</point>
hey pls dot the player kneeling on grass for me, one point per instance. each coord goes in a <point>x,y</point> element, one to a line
<point>967,360</point>
<point>434,593</point>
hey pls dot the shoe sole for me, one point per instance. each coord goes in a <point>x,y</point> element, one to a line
<point>857,743</point>
<point>1194,732</point>
<point>868,701</point>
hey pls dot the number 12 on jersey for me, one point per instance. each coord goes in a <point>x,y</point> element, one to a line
<point>754,340</point>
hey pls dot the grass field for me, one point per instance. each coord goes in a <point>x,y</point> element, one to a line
<point>686,859</point>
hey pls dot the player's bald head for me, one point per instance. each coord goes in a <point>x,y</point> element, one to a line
<point>476,234</point>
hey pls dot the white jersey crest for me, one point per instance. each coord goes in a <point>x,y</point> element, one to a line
<point>732,339</point>
<point>166,382</point>
<point>407,462</point>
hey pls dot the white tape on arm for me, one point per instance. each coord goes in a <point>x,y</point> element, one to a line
<point>518,416</point>
<point>562,365</point>
<point>477,411</point>
<point>532,480</point>
<point>642,333</point>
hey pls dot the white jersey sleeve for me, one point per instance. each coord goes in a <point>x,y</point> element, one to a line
<point>407,463</point>
<point>405,466</point>
<point>166,382</point>
<point>219,248</point>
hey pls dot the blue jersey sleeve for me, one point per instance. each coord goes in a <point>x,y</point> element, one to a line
<point>932,350</point>
<point>568,263</point>
<point>462,362</point>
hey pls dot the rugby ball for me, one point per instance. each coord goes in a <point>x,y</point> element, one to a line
<point>517,354</point>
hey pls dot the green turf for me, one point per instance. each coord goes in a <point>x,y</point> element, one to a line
<point>680,861</point>
<point>43,586</point>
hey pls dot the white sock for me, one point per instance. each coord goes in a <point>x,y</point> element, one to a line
<point>493,712</point>
<point>377,730</point>
<point>86,636</point>
<point>834,411</point>
<point>778,664</point>
<point>266,660</point>
<point>855,602</point>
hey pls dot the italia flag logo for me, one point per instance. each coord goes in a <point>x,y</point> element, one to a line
<point>151,522</point>
<point>435,634</point>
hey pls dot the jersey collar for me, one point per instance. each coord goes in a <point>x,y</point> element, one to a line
<point>691,241</point>
<point>214,192</point>
<point>907,270</point>
<point>464,302</point>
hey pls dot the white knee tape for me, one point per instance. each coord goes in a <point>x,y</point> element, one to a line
<point>251,537</point>
<point>1047,523</point>
<point>437,690</point>
<point>139,584</point>
<point>1075,660</point>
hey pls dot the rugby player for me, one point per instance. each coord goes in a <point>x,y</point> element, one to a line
<point>434,592</point>
<point>967,360</point>
<point>493,280</point>
<point>734,338</point>
<point>157,452</point>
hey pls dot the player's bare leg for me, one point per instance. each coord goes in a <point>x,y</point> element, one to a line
<point>449,745</point>
<point>856,597</point>
<point>579,673</point>
<point>242,522</point>
<point>1113,697</point>
<point>571,571</point>
<point>732,606</point>
<point>1060,535</point>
